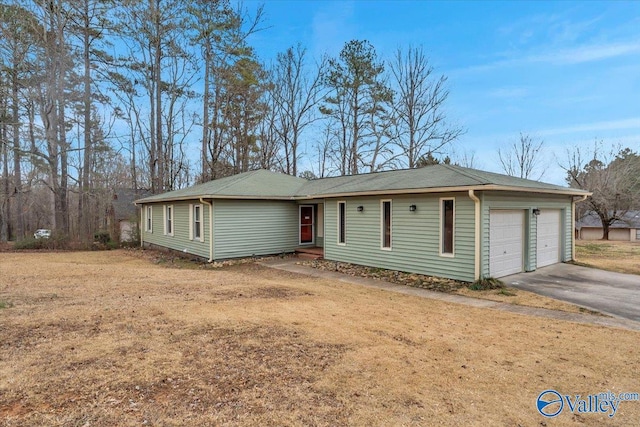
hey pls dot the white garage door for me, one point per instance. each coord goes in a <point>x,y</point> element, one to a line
<point>548,250</point>
<point>506,229</point>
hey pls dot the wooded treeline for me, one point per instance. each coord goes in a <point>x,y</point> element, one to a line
<point>97,95</point>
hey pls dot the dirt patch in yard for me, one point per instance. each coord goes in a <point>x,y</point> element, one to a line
<point>108,338</point>
<point>622,257</point>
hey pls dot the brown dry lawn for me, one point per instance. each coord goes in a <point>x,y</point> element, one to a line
<point>110,338</point>
<point>525,298</point>
<point>623,257</point>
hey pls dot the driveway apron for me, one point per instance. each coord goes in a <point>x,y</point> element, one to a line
<point>616,294</point>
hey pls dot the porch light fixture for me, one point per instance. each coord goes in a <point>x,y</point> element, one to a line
<point>536,211</point>
<point>360,208</point>
<point>413,208</point>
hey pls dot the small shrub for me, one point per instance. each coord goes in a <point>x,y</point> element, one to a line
<point>486,284</point>
<point>102,237</point>
<point>5,304</point>
<point>55,241</point>
<point>29,243</point>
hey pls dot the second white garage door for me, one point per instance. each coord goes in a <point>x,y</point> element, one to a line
<point>548,241</point>
<point>506,248</point>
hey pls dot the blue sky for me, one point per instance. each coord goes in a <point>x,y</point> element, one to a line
<point>564,72</point>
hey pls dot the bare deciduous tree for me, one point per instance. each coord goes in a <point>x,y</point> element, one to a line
<point>295,93</point>
<point>613,177</point>
<point>221,33</point>
<point>421,124</point>
<point>524,158</point>
<point>160,69</point>
<point>357,90</point>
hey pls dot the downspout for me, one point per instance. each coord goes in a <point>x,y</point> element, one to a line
<point>141,227</point>
<point>203,201</point>
<point>573,224</point>
<point>477,258</point>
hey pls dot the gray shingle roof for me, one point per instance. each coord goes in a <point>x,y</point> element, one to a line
<point>630,219</point>
<point>260,183</point>
<point>430,177</point>
<point>122,202</point>
<point>265,184</point>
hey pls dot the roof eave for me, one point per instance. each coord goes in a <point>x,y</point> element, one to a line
<point>211,196</point>
<point>488,187</point>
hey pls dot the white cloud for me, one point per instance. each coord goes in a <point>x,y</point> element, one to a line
<point>582,54</point>
<point>609,125</point>
<point>566,56</point>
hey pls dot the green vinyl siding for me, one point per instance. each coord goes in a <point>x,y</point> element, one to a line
<point>528,202</point>
<point>254,227</point>
<point>180,240</point>
<point>415,236</point>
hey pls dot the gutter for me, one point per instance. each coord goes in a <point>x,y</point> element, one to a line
<point>573,223</point>
<point>204,202</point>
<point>141,226</point>
<point>478,229</point>
<point>419,190</point>
<point>422,190</point>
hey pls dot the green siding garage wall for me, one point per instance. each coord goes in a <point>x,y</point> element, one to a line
<point>254,227</point>
<point>180,240</point>
<point>526,202</point>
<point>415,235</point>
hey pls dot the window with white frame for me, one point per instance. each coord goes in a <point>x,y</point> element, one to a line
<point>168,220</point>
<point>385,223</point>
<point>149,219</point>
<point>447,226</point>
<point>342,223</point>
<point>196,227</point>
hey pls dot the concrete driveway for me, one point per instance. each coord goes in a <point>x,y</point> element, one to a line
<point>612,293</point>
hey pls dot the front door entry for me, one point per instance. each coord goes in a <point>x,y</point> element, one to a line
<point>306,224</point>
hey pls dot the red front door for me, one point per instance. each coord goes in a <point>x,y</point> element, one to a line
<point>306,224</point>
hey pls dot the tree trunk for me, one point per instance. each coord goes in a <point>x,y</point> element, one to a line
<point>84,215</point>
<point>5,206</point>
<point>157,77</point>
<point>17,172</point>
<point>354,136</point>
<point>64,171</point>
<point>206,167</point>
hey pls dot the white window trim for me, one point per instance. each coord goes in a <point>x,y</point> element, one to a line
<point>441,228</point>
<point>192,208</point>
<point>341,202</point>
<point>149,219</point>
<point>173,219</point>
<point>382,202</point>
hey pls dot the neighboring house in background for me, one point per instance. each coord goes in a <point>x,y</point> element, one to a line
<point>589,227</point>
<point>439,220</point>
<point>122,214</point>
